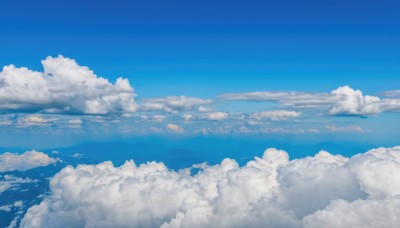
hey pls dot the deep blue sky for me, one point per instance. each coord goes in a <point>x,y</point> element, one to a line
<point>203,48</point>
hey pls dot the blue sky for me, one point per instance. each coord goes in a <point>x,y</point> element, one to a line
<point>187,95</point>
<point>209,48</point>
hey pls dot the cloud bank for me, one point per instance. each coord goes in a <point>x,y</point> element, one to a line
<point>321,191</point>
<point>63,87</point>
<point>25,161</point>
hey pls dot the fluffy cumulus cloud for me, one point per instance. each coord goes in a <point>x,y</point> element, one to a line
<point>321,191</point>
<point>341,101</point>
<point>353,102</point>
<point>274,115</point>
<point>63,87</point>
<point>25,161</point>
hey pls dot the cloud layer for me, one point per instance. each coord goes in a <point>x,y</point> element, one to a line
<point>321,191</point>
<point>274,115</point>
<point>341,101</point>
<point>173,104</point>
<point>63,87</point>
<point>25,161</point>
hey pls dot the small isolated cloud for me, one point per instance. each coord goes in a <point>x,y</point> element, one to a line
<point>345,129</point>
<point>217,116</point>
<point>75,123</point>
<point>274,115</point>
<point>270,190</point>
<point>341,101</point>
<point>35,120</point>
<point>175,128</point>
<point>172,104</point>
<point>6,208</point>
<point>254,123</point>
<point>63,87</point>
<point>24,161</point>
<point>158,118</point>
<point>77,155</point>
<point>187,117</point>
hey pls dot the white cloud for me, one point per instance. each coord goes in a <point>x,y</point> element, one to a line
<point>75,123</point>
<point>205,109</point>
<point>6,123</point>
<point>276,115</point>
<point>281,130</point>
<point>173,103</point>
<point>360,213</point>
<point>391,93</point>
<point>217,116</point>
<point>345,129</point>
<point>10,182</point>
<point>321,191</point>
<point>175,128</point>
<point>187,117</point>
<point>35,120</point>
<point>25,161</point>
<point>158,118</point>
<point>287,98</point>
<point>341,101</point>
<point>18,203</point>
<point>6,208</point>
<point>254,123</point>
<point>77,155</point>
<point>63,87</point>
<point>353,102</point>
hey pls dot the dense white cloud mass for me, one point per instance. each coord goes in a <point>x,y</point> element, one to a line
<point>63,87</point>
<point>353,102</point>
<point>274,115</point>
<point>25,161</point>
<point>341,101</point>
<point>321,191</point>
<point>173,104</point>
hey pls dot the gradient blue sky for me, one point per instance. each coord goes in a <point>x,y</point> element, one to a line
<point>207,48</point>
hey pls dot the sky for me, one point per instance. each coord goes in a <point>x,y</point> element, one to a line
<point>205,50</point>
<point>199,113</point>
